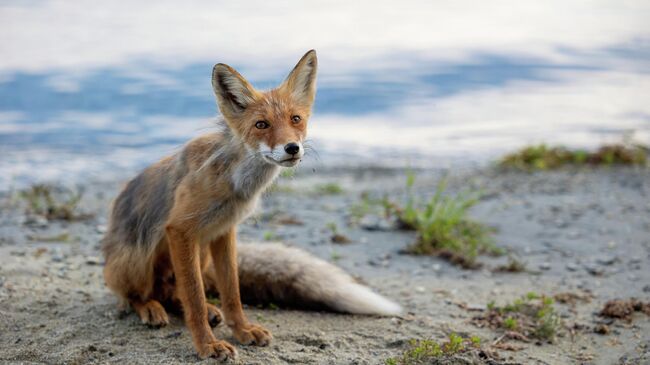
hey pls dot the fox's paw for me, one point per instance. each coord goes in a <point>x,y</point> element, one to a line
<point>252,334</point>
<point>214,315</point>
<point>152,313</point>
<point>220,350</point>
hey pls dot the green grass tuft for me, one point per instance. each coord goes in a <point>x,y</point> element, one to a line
<point>288,173</point>
<point>336,236</point>
<point>442,223</point>
<point>544,157</point>
<point>270,236</point>
<point>530,316</point>
<point>328,189</point>
<point>444,228</point>
<point>53,202</point>
<point>371,206</point>
<point>427,351</point>
<point>214,301</point>
<point>335,256</point>
<point>514,265</point>
<point>510,323</point>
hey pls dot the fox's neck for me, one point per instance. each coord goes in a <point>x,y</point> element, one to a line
<point>249,174</point>
<point>253,175</point>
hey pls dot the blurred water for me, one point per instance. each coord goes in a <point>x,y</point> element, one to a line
<point>99,92</point>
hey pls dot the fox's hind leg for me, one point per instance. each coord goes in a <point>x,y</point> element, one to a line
<point>129,273</point>
<point>152,313</point>
<point>214,315</point>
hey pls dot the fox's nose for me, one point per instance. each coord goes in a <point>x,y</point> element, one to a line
<point>292,148</point>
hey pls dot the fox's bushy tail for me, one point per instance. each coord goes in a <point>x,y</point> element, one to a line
<point>286,276</point>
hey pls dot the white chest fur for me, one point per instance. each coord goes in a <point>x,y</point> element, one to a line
<point>249,179</point>
<point>252,176</point>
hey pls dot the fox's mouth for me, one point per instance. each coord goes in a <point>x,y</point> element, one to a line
<point>287,162</point>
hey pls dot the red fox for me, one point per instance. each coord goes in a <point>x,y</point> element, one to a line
<point>172,229</point>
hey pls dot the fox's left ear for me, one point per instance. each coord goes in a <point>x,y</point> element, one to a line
<point>234,94</point>
<point>301,82</point>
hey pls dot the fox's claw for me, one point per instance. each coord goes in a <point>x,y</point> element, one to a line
<point>252,334</point>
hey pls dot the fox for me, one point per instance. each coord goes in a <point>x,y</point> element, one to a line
<point>171,236</point>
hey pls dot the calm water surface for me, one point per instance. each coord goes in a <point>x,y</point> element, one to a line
<point>100,92</point>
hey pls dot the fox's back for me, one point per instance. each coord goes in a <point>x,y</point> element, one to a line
<point>141,209</point>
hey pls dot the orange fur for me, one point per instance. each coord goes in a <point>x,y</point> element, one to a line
<point>175,223</point>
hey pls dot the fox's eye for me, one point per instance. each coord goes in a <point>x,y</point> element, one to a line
<point>296,119</point>
<point>262,124</point>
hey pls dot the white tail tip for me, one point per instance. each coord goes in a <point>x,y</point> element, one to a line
<point>359,299</point>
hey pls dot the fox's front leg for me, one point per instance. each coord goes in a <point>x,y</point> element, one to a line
<point>185,256</point>
<point>224,254</point>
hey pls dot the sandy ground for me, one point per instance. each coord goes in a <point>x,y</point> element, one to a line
<point>584,232</point>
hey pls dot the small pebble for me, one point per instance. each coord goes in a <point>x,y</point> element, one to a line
<point>36,221</point>
<point>607,260</point>
<point>93,260</point>
<point>474,307</point>
<point>573,235</point>
<point>572,267</point>
<point>601,329</point>
<point>632,277</point>
<point>595,271</point>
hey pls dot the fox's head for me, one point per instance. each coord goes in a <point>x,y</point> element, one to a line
<point>272,124</point>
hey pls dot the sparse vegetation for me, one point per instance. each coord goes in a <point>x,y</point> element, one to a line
<point>335,256</point>
<point>367,206</point>
<point>364,207</point>
<point>336,236</point>
<point>510,323</point>
<point>514,265</point>
<point>429,351</point>
<point>532,316</point>
<point>214,300</point>
<point>270,236</point>
<point>328,189</point>
<point>442,223</point>
<point>260,318</point>
<point>53,202</point>
<point>444,228</point>
<point>545,157</point>
<point>288,173</point>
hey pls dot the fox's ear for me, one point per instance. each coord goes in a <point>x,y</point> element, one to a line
<point>234,94</point>
<point>301,82</point>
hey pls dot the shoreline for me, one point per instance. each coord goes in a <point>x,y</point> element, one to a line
<point>583,231</point>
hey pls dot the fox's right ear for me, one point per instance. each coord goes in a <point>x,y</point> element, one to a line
<point>301,82</point>
<point>234,94</point>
